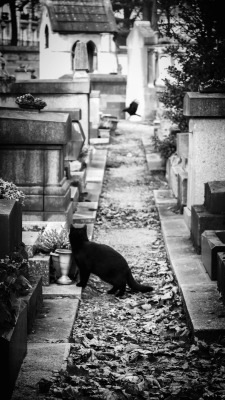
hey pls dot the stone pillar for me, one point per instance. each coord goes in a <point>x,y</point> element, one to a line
<point>94,112</point>
<point>206,161</point>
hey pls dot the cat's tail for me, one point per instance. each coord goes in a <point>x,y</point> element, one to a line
<point>134,285</point>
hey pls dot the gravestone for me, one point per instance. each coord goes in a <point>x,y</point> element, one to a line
<point>35,162</point>
<point>10,226</point>
<point>215,197</point>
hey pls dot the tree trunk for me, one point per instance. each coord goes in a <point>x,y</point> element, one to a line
<point>14,37</point>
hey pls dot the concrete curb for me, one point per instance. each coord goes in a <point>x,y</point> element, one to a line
<point>201,299</point>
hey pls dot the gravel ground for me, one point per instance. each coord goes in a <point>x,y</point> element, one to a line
<point>138,346</point>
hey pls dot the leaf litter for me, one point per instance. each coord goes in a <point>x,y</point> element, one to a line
<point>138,346</point>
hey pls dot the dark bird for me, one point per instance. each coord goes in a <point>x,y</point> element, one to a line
<point>132,108</point>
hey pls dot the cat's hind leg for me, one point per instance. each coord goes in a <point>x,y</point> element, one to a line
<point>113,290</point>
<point>121,291</point>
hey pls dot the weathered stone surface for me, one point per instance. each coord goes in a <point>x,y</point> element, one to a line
<point>211,243</point>
<point>34,128</point>
<point>204,104</point>
<point>34,302</point>
<point>13,348</point>
<point>202,220</point>
<point>221,274</point>
<point>39,266</point>
<point>206,162</point>
<point>215,197</point>
<point>182,188</point>
<point>182,144</point>
<point>10,226</point>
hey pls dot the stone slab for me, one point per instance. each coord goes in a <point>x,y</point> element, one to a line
<point>205,310</point>
<point>98,141</point>
<point>92,191</point>
<point>54,290</point>
<point>37,367</point>
<point>52,128</point>
<point>202,220</point>
<point>177,228</point>
<point>168,211</point>
<point>13,349</point>
<point>164,197</point>
<point>85,213</point>
<point>204,104</point>
<point>10,226</point>
<point>155,162</point>
<point>182,188</point>
<point>215,197</point>
<point>221,274</point>
<point>34,302</point>
<point>55,321</point>
<point>211,243</point>
<point>183,144</point>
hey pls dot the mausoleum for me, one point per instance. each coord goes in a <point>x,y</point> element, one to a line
<point>64,24</point>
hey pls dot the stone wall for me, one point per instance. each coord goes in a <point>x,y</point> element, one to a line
<point>112,93</point>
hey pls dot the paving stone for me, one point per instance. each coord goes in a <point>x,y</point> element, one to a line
<point>85,213</point>
<point>164,197</point>
<point>204,309</point>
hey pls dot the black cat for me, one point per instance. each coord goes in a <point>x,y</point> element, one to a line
<point>103,261</point>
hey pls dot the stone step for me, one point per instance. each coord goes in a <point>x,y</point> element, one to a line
<point>200,296</point>
<point>85,213</point>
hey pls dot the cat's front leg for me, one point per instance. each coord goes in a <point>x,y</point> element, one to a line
<point>84,276</point>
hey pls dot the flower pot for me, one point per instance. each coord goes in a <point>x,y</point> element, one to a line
<point>65,260</point>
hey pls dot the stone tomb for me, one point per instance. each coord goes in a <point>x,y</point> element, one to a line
<point>202,220</point>
<point>221,274</point>
<point>33,146</point>
<point>10,226</point>
<point>212,242</point>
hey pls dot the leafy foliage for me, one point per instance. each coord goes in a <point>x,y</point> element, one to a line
<point>14,283</point>
<point>167,146</point>
<point>199,52</point>
<point>50,240</point>
<point>9,190</point>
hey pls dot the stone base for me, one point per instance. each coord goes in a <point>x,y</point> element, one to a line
<point>40,267</point>
<point>155,162</point>
<point>78,179</point>
<point>215,197</point>
<point>13,349</point>
<point>211,243</point>
<point>182,188</point>
<point>34,302</point>
<point>187,217</point>
<point>63,216</point>
<point>221,274</point>
<point>202,220</point>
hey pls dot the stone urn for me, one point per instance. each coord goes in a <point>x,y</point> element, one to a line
<point>65,262</point>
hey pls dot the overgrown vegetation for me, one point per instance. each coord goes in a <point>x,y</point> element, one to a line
<point>8,190</point>
<point>198,31</point>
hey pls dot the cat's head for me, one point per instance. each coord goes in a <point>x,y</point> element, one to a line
<point>78,233</point>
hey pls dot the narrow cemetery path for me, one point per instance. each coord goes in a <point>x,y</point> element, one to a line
<point>138,346</point>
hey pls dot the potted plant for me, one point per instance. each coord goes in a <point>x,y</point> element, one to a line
<point>57,245</point>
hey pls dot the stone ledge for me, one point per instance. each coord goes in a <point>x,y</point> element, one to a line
<point>204,105</point>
